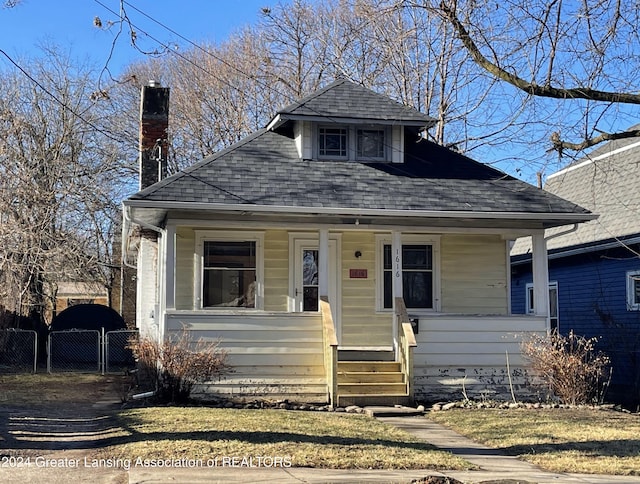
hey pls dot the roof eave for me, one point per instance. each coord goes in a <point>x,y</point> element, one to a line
<point>354,211</point>
<point>281,118</point>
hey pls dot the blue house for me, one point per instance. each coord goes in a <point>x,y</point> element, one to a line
<point>594,267</point>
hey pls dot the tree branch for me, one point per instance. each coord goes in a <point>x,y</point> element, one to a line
<point>549,90</point>
<point>526,86</point>
<point>560,145</point>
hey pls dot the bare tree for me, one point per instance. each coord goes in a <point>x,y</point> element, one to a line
<point>60,178</point>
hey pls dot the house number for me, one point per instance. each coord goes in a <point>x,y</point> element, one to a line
<point>397,263</point>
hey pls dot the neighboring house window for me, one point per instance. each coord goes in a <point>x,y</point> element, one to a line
<point>332,142</point>
<point>419,275</point>
<point>351,143</point>
<point>229,272</point>
<point>75,302</point>
<point>633,290</point>
<point>553,304</point>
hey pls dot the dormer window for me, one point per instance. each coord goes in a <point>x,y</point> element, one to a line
<point>352,143</point>
<point>370,144</point>
<point>333,142</point>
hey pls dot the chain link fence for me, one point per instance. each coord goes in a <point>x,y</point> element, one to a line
<point>74,350</point>
<point>18,351</point>
<point>118,356</point>
<point>90,351</point>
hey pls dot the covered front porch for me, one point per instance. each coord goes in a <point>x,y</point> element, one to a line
<point>296,357</point>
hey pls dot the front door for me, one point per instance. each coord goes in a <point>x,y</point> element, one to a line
<point>305,278</point>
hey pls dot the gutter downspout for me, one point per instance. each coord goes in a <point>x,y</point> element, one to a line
<point>568,231</point>
<point>126,229</point>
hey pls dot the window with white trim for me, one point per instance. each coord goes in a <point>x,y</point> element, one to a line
<point>419,274</point>
<point>228,274</point>
<point>554,320</point>
<point>633,290</point>
<point>341,142</point>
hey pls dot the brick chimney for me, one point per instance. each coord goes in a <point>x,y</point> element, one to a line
<point>154,125</point>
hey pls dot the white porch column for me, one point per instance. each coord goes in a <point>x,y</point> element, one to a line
<point>396,263</point>
<point>540,268</point>
<point>323,263</point>
<point>169,267</point>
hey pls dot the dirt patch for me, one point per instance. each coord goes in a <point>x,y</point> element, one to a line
<point>44,413</point>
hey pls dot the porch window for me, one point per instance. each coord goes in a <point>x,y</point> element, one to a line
<point>633,290</point>
<point>553,304</point>
<point>417,276</point>
<point>229,273</point>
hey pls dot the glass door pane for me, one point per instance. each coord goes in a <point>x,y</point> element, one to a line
<point>310,280</point>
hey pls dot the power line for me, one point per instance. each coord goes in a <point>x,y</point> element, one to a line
<point>57,100</point>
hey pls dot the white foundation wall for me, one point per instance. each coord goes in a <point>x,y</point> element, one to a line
<point>460,357</point>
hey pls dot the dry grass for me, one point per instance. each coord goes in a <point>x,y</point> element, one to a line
<point>581,440</point>
<point>306,439</point>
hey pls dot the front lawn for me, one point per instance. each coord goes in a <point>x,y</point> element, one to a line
<point>580,440</point>
<point>304,439</point>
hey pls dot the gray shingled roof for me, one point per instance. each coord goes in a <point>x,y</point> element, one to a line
<point>265,169</point>
<point>345,99</point>
<point>606,182</point>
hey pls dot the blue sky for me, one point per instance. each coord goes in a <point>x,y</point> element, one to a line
<point>69,24</point>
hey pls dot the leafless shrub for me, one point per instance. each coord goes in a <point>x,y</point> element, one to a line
<point>175,365</point>
<point>570,366</point>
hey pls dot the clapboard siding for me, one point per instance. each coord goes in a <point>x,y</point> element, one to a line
<point>273,355</point>
<point>474,274</point>
<point>361,325</point>
<point>471,354</point>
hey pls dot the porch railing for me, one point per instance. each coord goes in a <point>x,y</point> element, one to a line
<point>406,344</point>
<point>330,347</point>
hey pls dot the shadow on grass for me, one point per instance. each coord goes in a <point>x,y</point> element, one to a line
<point>595,448</point>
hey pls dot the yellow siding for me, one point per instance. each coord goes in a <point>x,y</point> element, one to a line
<point>474,274</point>
<point>361,326</point>
<point>185,248</point>
<point>276,270</point>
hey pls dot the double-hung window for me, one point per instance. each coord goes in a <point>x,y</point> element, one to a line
<point>633,290</point>
<point>229,272</point>
<point>419,275</point>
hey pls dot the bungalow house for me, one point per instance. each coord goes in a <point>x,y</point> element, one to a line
<point>342,257</point>
<point>594,268</point>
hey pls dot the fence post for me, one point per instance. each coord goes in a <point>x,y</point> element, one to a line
<point>49,353</point>
<point>103,348</point>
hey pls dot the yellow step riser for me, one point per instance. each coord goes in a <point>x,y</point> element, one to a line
<point>370,377</point>
<point>372,389</point>
<point>369,366</point>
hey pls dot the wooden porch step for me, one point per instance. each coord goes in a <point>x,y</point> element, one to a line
<point>369,366</point>
<point>371,388</point>
<point>364,400</point>
<point>368,382</point>
<point>370,377</point>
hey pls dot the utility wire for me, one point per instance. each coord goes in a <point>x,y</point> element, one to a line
<point>57,100</point>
